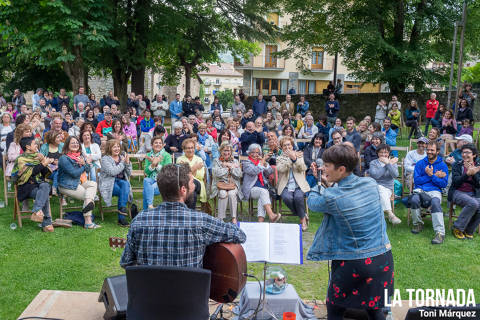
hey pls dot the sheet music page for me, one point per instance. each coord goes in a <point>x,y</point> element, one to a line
<point>285,243</point>
<point>256,246</point>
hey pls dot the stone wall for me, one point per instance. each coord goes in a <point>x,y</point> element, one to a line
<point>361,104</point>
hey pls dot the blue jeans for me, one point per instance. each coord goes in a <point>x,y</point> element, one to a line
<point>55,178</point>
<point>42,201</point>
<point>93,175</point>
<point>121,189</point>
<point>150,189</point>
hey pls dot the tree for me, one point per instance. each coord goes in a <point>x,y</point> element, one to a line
<point>55,32</point>
<point>225,98</point>
<point>199,30</point>
<point>471,74</point>
<point>381,41</point>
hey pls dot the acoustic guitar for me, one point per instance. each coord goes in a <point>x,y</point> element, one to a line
<point>226,261</point>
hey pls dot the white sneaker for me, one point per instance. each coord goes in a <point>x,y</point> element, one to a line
<point>393,218</point>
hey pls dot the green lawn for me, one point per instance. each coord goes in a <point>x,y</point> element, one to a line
<point>77,259</point>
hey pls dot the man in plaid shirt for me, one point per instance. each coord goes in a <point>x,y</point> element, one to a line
<point>172,234</point>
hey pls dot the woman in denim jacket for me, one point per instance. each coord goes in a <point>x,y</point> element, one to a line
<point>352,234</point>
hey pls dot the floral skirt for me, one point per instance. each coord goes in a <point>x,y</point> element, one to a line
<point>361,283</point>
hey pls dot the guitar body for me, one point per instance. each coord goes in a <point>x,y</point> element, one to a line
<point>228,263</point>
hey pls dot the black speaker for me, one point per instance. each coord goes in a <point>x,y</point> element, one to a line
<point>444,313</point>
<point>115,297</point>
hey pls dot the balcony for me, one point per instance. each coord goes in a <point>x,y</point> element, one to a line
<point>260,62</point>
<point>326,67</point>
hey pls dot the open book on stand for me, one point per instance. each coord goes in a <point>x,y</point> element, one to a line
<point>273,242</point>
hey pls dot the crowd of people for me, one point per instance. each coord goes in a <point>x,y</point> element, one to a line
<point>266,152</point>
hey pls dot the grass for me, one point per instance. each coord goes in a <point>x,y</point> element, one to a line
<point>78,260</point>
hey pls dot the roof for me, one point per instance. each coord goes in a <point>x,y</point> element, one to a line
<point>225,69</point>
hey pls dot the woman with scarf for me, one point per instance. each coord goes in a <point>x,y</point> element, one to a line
<point>154,162</point>
<point>52,148</point>
<point>114,179</point>
<point>227,171</point>
<point>255,183</point>
<point>29,173</point>
<point>73,170</point>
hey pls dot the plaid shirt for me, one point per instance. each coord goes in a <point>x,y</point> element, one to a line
<point>174,235</point>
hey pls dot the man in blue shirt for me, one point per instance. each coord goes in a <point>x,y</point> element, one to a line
<point>176,110</point>
<point>430,176</point>
<point>259,106</point>
<point>251,136</point>
<point>332,107</point>
<point>302,106</point>
<point>390,135</point>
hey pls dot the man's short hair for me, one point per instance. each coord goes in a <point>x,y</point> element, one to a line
<point>470,147</point>
<point>341,155</point>
<point>351,118</point>
<point>171,178</point>
<point>383,146</point>
<point>177,125</point>
<point>24,142</point>
<point>337,131</point>
<point>434,143</point>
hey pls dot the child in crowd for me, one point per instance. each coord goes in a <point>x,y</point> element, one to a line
<point>395,116</point>
<point>381,111</point>
<point>466,128</point>
<point>297,123</point>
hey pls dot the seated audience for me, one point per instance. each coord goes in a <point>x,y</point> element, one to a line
<point>309,129</point>
<point>226,175</point>
<point>115,173</point>
<point>154,162</point>
<point>313,155</point>
<point>390,135</point>
<point>14,150</point>
<point>118,134</point>
<point>466,128</point>
<point>337,138</point>
<point>251,136</point>
<point>292,184</point>
<point>338,126</point>
<point>198,171</point>
<point>130,130</point>
<point>429,177</point>
<point>352,135</point>
<point>105,126</point>
<point>323,126</point>
<point>413,116</point>
<point>465,192</point>
<point>255,183</point>
<point>92,153</point>
<point>384,170</point>
<point>73,181</point>
<point>371,151</point>
<point>173,143</point>
<point>395,116</point>
<point>411,160</point>
<point>52,148</point>
<point>29,173</point>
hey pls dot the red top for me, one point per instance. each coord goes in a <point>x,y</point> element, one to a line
<point>432,106</point>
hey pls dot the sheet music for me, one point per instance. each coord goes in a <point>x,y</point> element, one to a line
<point>285,243</point>
<point>257,245</point>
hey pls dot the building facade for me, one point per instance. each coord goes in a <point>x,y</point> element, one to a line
<point>270,75</point>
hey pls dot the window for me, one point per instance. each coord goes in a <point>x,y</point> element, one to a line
<point>273,18</point>
<point>311,86</point>
<point>302,86</point>
<point>270,60</point>
<point>317,58</point>
<point>207,90</point>
<point>217,81</point>
<point>284,87</point>
<point>270,86</point>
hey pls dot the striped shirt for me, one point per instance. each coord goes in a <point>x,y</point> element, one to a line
<point>174,235</point>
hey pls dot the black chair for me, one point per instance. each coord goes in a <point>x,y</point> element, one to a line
<point>159,292</point>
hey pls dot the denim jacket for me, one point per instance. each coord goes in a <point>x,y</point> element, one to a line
<point>69,172</point>
<point>353,226</point>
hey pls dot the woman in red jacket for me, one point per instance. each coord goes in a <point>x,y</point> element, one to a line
<point>432,106</point>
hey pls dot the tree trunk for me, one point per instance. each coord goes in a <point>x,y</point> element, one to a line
<point>138,81</point>
<point>188,78</point>
<point>120,86</point>
<point>75,70</point>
